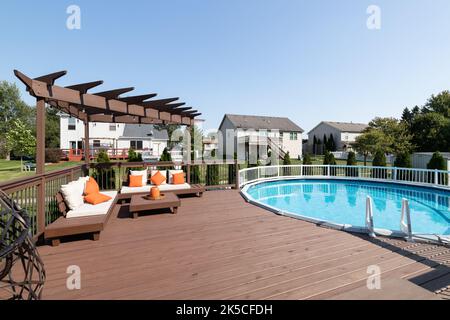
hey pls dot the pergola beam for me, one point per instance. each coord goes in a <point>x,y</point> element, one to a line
<point>76,101</point>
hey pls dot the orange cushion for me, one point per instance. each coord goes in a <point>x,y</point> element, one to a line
<point>178,178</point>
<point>135,181</point>
<point>96,198</point>
<point>91,187</point>
<point>158,178</point>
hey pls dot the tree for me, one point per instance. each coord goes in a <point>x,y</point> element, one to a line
<point>369,142</point>
<point>307,159</point>
<point>329,159</point>
<point>439,104</point>
<point>52,125</point>
<point>331,143</point>
<point>437,162</point>
<point>287,159</point>
<point>20,139</point>
<point>430,132</point>
<point>134,156</point>
<point>351,159</point>
<point>403,160</point>
<point>12,107</point>
<point>396,134</point>
<point>166,156</point>
<point>315,145</point>
<point>325,144</point>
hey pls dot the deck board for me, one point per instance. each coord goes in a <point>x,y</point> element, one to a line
<point>220,247</point>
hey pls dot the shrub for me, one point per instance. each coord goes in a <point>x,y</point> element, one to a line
<point>403,160</point>
<point>287,159</point>
<point>329,159</point>
<point>307,159</point>
<point>103,157</point>
<point>351,161</point>
<point>53,155</point>
<point>437,162</point>
<point>379,160</point>
<point>103,173</point>
<point>212,172</point>
<point>134,156</point>
<point>166,156</point>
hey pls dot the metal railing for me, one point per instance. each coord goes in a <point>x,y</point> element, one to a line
<point>424,177</point>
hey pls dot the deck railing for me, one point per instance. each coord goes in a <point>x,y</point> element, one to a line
<point>435,178</point>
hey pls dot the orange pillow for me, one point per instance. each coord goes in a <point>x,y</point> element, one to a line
<point>91,187</point>
<point>158,178</point>
<point>178,178</point>
<point>96,198</point>
<point>135,181</point>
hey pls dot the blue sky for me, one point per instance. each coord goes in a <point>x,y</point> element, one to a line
<point>307,60</point>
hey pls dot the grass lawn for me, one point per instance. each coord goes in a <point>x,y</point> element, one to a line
<point>10,170</point>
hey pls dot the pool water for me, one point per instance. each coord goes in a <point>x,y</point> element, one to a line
<point>344,202</point>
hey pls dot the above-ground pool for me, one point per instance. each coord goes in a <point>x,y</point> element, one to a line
<point>343,202</point>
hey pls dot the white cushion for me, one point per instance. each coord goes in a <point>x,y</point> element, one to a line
<point>143,189</point>
<point>73,193</point>
<point>87,209</point>
<point>163,172</point>
<point>172,187</point>
<point>143,173</point>
<point>162,188</point>
<point>172,172</point>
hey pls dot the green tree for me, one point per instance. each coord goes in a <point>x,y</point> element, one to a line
<point>315,145</point>
<point>20,139</point>
<point>379,160</point>
<point>430,132</point>
<point>325,144</point>
<point>166,156</point>
<point>287,159</point>
<point>329,159</point>
<point>12,107</point>
<point>52,125</point>
<point>439,104</point>
<point>403,160</point>
<point>370,142</point>
<point>351,159</point>
<point>396,135</point>
<point>307,159</point>
<point>437,162</point>
<point>134,156</point>
<point>331,143</point>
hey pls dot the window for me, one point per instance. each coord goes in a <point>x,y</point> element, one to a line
<point>112,127</point>
<point>136,144</point>
<point>96,143</point>
<point>72,124</point>
<point>293,136</point>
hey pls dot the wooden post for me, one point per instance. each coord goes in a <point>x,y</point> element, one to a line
<point>188,173</point>
<point>87,156</point>
<point>40,164</point>
<point>236,163</point>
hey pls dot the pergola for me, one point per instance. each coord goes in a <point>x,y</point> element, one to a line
<point>106,106</point>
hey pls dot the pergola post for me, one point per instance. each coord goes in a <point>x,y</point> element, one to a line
<point>40,163</point>
<point>87,156</point>
<point>188,147</point>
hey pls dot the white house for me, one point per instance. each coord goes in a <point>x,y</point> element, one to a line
<point>111,135</point>
<point>343,133</point>
<point>242,131</point>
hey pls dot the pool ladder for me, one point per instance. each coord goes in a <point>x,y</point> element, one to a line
<point>405,220</point>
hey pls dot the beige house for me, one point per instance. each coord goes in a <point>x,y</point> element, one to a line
<point>240,132</point>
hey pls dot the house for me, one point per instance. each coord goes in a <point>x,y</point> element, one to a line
<point>343,134</point>
<point>111,136</point>
<point>242,132</point>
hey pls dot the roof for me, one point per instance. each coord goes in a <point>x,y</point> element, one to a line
<point>143,131</point>
<point>344,126</point>
<point>262,122</point>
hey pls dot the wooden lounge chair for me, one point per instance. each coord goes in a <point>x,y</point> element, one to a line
<point>88,224</point>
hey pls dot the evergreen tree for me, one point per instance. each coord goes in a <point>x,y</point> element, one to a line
<point>331,143</point>
<point>437,162</point>
<point>403,160</point>
<point>315,145</point>
<point>212,172</point>
<point>351,159</point>
<point>325,144</point>
<point>379,160</point>
<point>307,159</point>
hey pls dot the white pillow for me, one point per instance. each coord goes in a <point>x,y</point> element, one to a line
<point>73,193</point>
<point>163,172</point>
<point>142,173</point>
<point>172,172</point>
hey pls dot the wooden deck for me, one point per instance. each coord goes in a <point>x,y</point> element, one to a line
<point>220,247</point>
